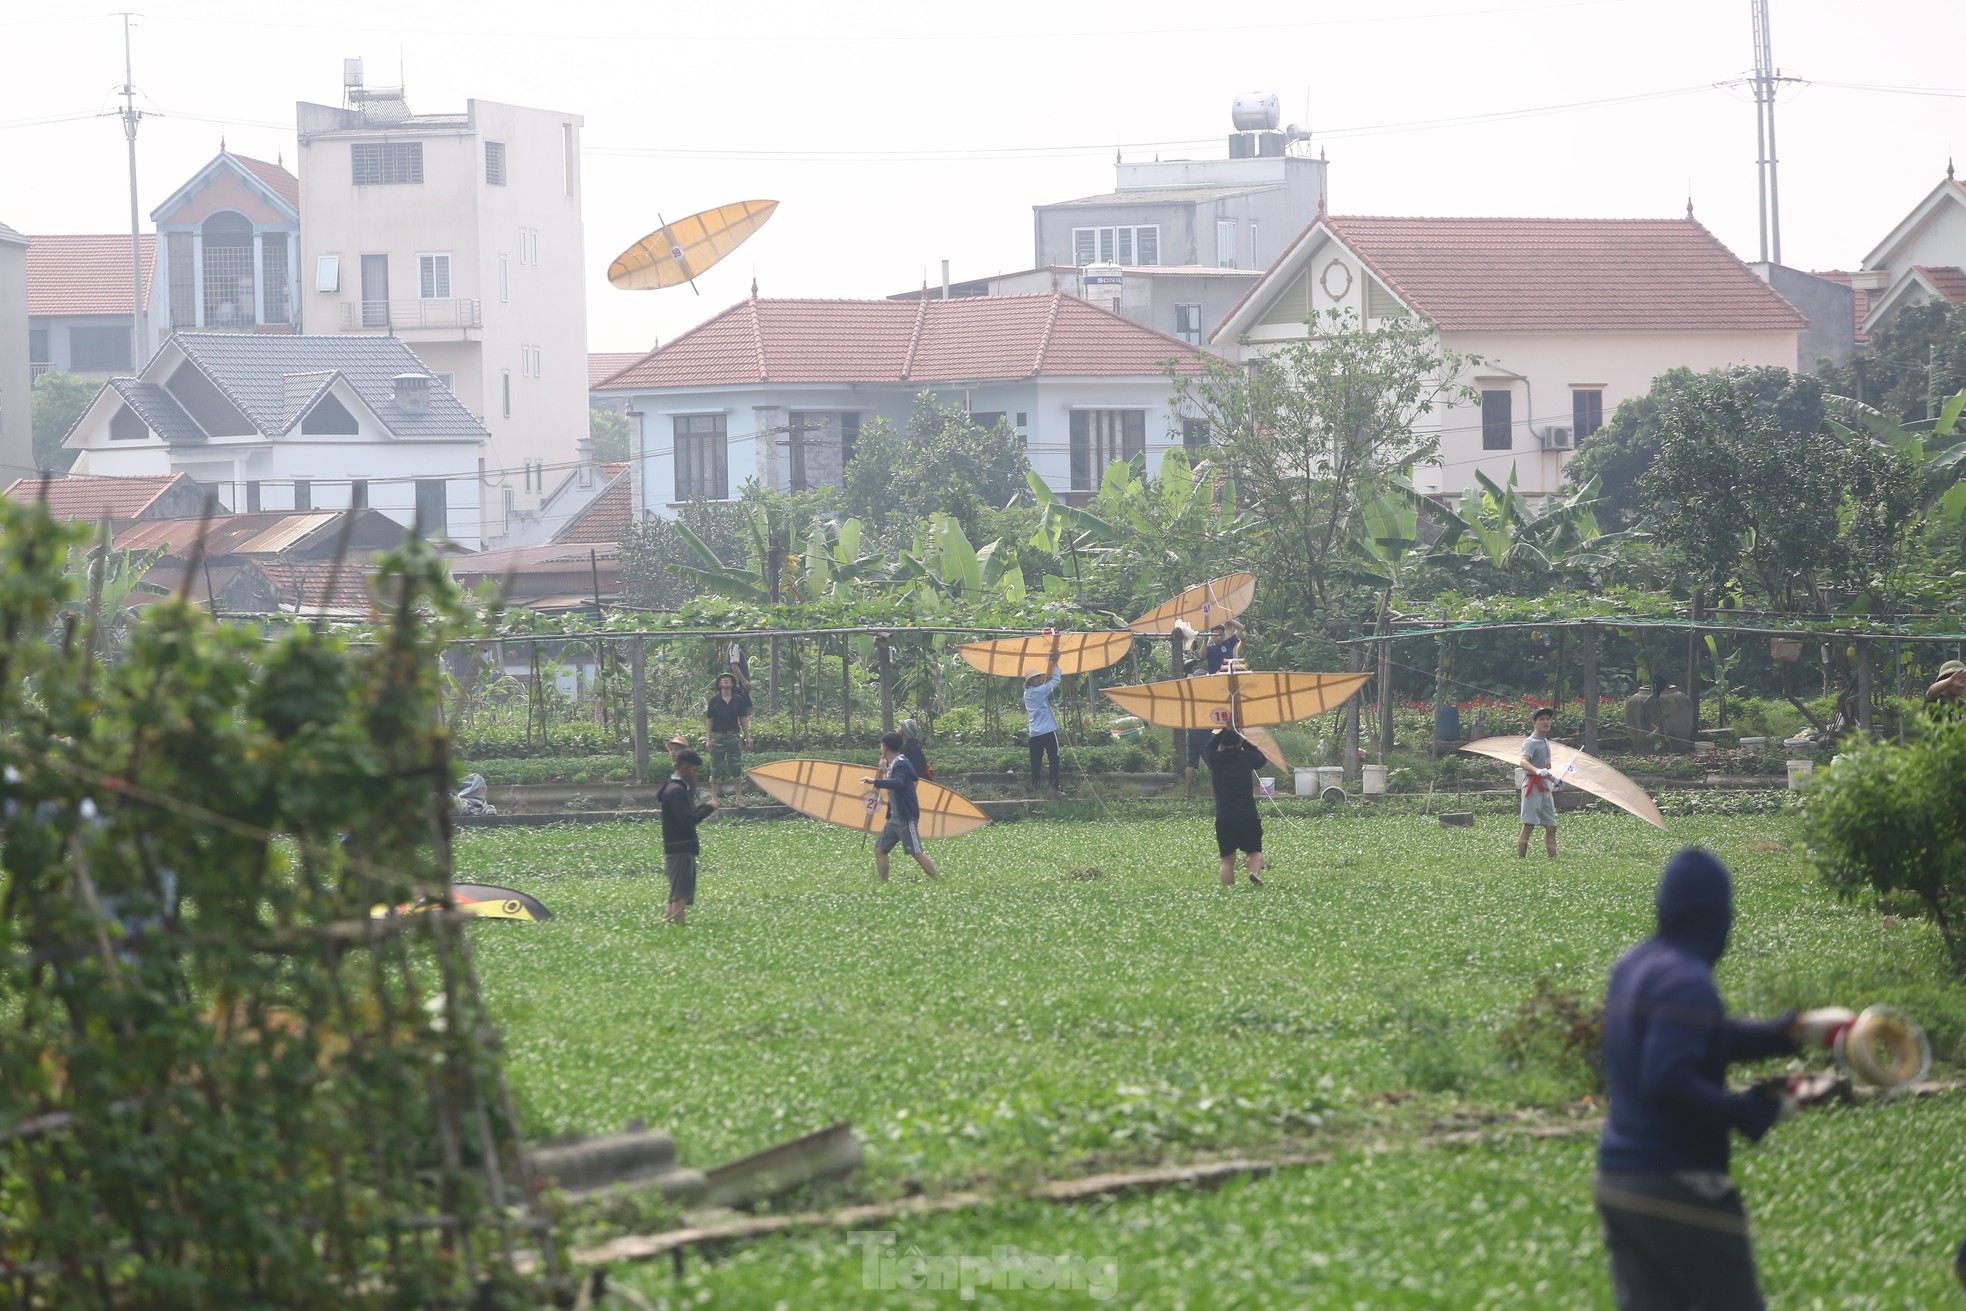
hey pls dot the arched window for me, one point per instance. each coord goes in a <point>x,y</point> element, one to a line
<point>229,280</point>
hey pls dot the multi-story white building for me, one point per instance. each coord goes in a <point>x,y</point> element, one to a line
<point>16,400</point>
<point>461,235</point>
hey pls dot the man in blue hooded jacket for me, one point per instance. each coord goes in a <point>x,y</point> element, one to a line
<point>1673,1218</point>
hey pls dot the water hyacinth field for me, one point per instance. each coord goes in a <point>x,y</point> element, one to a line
<point>1080,995</point>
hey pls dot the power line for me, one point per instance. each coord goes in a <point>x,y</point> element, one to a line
<point>967,35</point>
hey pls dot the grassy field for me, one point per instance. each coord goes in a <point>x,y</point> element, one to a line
<point>1075,995</point>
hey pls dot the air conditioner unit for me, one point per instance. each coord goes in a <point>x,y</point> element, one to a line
<point>1559,437</point>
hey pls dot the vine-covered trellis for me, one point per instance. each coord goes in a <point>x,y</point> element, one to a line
<point>223,1081</point>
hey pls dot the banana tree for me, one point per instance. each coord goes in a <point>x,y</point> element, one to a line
<point>1498,523</point>
<point>775,570</point>
<point>1387,532</point>
<point>1146,537</point>
<point>1937,446</point>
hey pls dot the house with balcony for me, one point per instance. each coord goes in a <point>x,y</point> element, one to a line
<point>294,422</point>
<point>780,390</point>
<point>458,234</point>
<point>16,376</point>
<point>1565,318</point>
<point>228,247</point>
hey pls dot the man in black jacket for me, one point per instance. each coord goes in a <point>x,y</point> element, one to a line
<point>1232,765</point>
<point>681,813</point>
<point>1673,1219</point>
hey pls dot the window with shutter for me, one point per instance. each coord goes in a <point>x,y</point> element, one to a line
<point>495,163</point>
<point>1497,420</point>
<point>387,163</point>
<point>433,277</point>
<point>1084,249</point>
<point>1146,245</point>
<point>1125,238</point>
<point>702,458</point>
<point>1586,412</point>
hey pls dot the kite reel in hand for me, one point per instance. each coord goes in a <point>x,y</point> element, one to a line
<point>1883,1047</point>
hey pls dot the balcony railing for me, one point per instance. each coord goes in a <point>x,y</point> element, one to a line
<point>397,315</point>
<point>35,368</point>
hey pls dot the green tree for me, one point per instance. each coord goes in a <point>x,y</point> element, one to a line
<point>942,462</point>
<point>59,399</point>
<point>1891,818</point>
<point>1618,454</point>
<point>1751,485</point>
<point>1320,429</point>
<point>650,547</point>
<point>609,432</point>
<point>1917,360</point>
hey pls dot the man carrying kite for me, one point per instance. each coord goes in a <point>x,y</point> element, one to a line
<point>1224,640</point>
<point>1039,684</point>
<point>1232,765</point>
<point>904,808</point>
<point>1538,785</point>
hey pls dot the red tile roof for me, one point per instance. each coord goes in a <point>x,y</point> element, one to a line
<point>1562,275</point>
<point>305,585</point>
<point>282,183</point>
<point>1947,280</point>
<point>602,365</point>
<point>92,498</point>
<point>965,339</point>
<point>70,273</point>
<point>605,520</point>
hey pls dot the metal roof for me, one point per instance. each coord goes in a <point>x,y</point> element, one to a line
<point>1166,195</point>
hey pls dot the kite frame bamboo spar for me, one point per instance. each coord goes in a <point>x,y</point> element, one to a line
<point>663,257</point>
<point>831,791</point>
<point>1236,699</point>
<point>1078,653</point>
<point>1201,606</point>
<point>1573,768</point>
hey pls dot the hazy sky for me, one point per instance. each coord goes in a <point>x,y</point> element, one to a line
<point>900,134</point>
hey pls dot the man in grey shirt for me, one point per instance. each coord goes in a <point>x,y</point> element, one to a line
<point>1538,785</point>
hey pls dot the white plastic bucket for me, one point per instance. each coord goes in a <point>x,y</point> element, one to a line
<point>1799,772</point>
<point>1329,776</point>
<point>1267,786</point>
<point>1306,782</point>
<point>1372,779</point>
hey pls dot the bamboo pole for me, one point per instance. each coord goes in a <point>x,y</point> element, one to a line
<point>1590,689</point>
<point>638,689</point>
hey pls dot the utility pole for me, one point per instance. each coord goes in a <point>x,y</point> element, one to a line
<point>1766,81</point>
<point>130,114</point>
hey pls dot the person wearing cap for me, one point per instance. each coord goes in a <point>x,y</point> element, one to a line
<point>1039,684</point>
<point>1674,1223</point>
<point>727,726</point>
<point>911,747</point>
<point>677,745</point>
<point>1538,785</point>
<point>1942,699</point>
<point>1223,640</point>
<point>1232,764</point>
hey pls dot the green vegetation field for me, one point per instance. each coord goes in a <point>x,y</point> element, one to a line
<point>1075,996</point>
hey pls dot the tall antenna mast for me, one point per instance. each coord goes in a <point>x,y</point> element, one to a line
<point>130,114</point>
<point>1766,79</point>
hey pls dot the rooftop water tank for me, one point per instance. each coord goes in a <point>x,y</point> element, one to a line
<point>1257,112</point>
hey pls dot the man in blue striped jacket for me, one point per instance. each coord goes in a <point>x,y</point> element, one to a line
<point>904,808</point>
